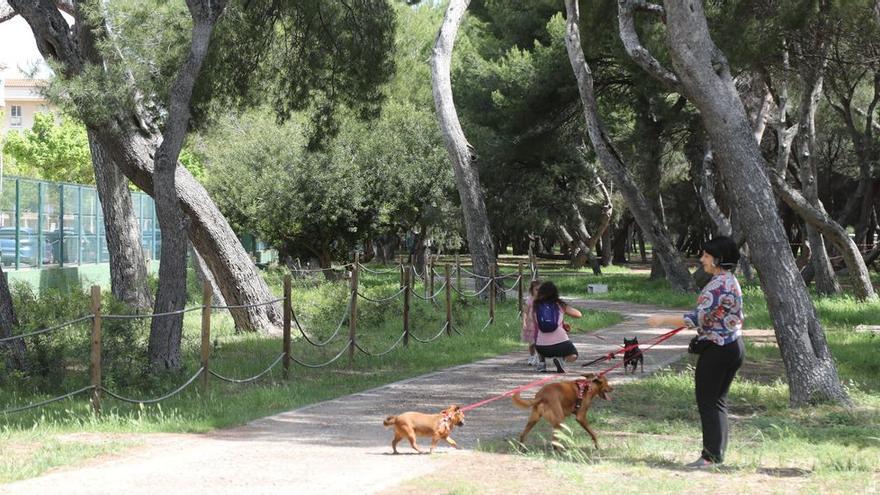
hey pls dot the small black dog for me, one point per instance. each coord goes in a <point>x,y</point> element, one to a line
<point>633,355</point>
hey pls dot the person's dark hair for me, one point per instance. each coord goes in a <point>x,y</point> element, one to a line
<point>534,285</point>
<point>724,250</point>
<point>548,292</point>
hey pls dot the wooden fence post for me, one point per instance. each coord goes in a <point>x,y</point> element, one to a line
<point>448,299</point>
<point>287,311</point>
<point>492,293</point>
<point>207,296</point>
<point>430,269</point>
<point>407,289</point>
<point>95,353</point>
<point>519,289</point>
<point>457,272</point>
<point>402,282</point>
<point>352,318</point>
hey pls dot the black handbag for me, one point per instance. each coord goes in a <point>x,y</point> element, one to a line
<point>697,346</point>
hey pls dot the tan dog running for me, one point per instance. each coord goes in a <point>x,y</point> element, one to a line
<point>409,425</point>
<point>555,401</point>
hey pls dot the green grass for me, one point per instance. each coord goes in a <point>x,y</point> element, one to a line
<point>319,307</point>
<point>652,426</point>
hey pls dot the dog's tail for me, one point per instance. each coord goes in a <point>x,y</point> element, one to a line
<point>520,402</point>
<point>390,420</point>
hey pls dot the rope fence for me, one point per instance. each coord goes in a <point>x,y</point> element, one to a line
<point>47,330</point>
<point>351,345</point>
<point>251,379</point>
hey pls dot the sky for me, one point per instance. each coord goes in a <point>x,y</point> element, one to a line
<point>18,50</point>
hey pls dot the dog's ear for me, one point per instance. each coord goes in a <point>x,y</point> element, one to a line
<point>454,408</point>
<point>589,376</point>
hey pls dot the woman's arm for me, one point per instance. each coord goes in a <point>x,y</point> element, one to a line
<point>572,311</point>
<point>656,321</point>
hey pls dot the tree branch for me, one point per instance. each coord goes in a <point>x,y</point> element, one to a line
<point>6,12</point>
<point>633,45</point>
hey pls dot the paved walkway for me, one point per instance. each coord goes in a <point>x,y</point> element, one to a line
<point>340,446</point>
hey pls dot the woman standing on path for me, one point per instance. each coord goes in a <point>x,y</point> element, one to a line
<point>552,341</point>
<point>718,320</point>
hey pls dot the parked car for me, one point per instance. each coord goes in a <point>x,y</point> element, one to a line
<point>27,248</point>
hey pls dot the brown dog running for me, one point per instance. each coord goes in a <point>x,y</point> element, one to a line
<point>437,426</point>
<point>555,401</point>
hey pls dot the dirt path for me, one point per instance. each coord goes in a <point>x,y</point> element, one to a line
<point>340,446</point>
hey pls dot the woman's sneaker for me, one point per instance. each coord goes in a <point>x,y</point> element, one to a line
<point>541,367</point>
<point>533,360</point>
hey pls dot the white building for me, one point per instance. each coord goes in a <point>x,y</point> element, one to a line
<point>20,99</point>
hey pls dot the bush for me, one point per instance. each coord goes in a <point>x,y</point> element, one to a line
<point>59,360</point>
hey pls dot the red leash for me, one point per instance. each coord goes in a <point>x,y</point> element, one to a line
<point>658,339</point>
<point>666,336</point>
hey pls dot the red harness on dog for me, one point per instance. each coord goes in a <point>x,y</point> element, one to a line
<point>446,421</point>
<point>582,386</point>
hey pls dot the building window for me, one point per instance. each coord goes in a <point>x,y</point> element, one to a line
<point>15,115</point>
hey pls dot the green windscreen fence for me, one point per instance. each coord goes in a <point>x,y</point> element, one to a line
<point>50,224</point>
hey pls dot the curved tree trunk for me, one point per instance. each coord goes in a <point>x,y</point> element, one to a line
<point>132,148</point>
<point>128,268</point>
<point>817,217</point>
<point>166,332</point>
<point>706,79</point>
<point>461,153</point>
<point>205,276</point>
<point>676,270</point>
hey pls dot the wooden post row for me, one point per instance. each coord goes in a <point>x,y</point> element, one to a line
<point>519,289</point>
<point>95,350</point>
<point>448,299</point>
<point>207,295</point>
<point>492,292</point>
<point>287,315</point>
<point>407,290</point>
<point>352,318</point>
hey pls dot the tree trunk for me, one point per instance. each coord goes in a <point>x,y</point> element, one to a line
<point>676,270</point>
<point>620,242</point>
<point>205,276</point>
<point>812,72</point>
<point>461,153</point>
<point>14,350</point>
<point>128,268</point>
<point>706,79</point>
<point>833,231</point>
<point>606,246</point>
<point>132,147</point>
<point>166,332</point>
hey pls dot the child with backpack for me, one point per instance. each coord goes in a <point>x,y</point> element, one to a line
<point>529,325</point>
<point>552,340</point>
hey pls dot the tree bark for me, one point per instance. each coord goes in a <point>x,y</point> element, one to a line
<point>706,79</point>
<point>205,276</point>
<point>461,153</point>
<point>676,270</point>
<point>128,267</point>
<point>620,242</point>
<point>166,332</point>
<point>132,147</point>
<point>15,350</point>
<point>812,74</point>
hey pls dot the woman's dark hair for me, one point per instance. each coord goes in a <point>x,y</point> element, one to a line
<point>724,250</point>
<point>548,292</point>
